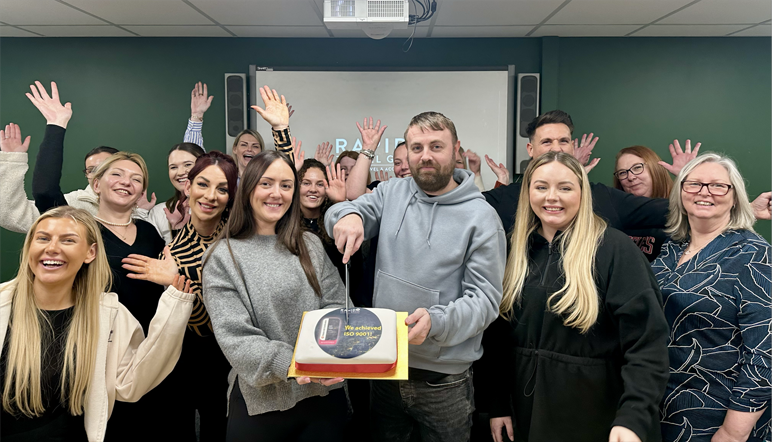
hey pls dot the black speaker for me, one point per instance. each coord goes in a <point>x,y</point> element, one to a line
<point>235,107</point>
<point>527,109</point>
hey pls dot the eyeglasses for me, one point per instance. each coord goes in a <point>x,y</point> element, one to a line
<point>718,189</point>
<point>637,169</point>
<point>89,170</point>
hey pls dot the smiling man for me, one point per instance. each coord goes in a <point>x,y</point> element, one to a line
<point>441,258</point>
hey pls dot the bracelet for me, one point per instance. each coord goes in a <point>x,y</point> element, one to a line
<point>368,153</point>
<point>196,119</point>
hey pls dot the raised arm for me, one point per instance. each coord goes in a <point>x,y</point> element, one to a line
<point>199,104</point>
<point>48,167</point>
<point>146,361</point>
<point>276,113</point>
<point>356,183</point>
<point>19,213</point>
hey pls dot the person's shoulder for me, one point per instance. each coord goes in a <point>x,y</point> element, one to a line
<point>6,291</point>
<point>618,244</point>
<point>313,241</point>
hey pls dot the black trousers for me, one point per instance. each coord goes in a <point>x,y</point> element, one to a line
<point>317,419</point>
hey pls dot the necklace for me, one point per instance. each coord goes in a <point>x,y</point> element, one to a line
<point>689,252</point>
<point>108,223</point>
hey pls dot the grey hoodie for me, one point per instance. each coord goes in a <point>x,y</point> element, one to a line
<point>445,253</point>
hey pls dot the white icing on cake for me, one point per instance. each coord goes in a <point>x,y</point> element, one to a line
<point>337,344</point>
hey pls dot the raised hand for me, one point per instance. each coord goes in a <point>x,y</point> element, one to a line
<point>276,112</point>
<point>159,271</point>
<point>371,135</point>
<point>762,205</point>
<point>199,100</point>
<point>382,175</point>
<point>10,139</point>
<point>502,174</point>
<point>583,151</point>
<point>179,282</point>
<point>474,161</point>
<point>680,157</point>
<point>323,153</point>
<point>143,203</point>
<point>298,156</point>
<point>50,106</point>
<point>336,186</point>
<point>290,110</point>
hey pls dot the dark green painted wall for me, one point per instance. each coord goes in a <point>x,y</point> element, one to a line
<point>132,93</point>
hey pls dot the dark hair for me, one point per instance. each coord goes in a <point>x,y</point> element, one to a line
<point>100,149</point>
<point>193,149</point>
<point>354,155</point>
<point>289,229</point>
<point>228,167</point>
<point>311,164</point>
<point>551,117</point>
<point>400,144</point>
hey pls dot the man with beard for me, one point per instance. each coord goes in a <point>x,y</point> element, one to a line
<point>441,258</point>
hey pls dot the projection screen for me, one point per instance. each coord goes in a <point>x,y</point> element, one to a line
<point>328,104</point>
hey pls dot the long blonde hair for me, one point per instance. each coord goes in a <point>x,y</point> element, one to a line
<point>578,299</point>
<point>28,326</point>
<point>740,215</point>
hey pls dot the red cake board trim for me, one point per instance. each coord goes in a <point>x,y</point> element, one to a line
<point>346,368</point>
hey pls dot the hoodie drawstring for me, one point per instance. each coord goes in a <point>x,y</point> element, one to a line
<point>402,220</point>
<point>431,223</point>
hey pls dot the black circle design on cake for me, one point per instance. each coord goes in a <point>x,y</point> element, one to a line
<point>348,340</point>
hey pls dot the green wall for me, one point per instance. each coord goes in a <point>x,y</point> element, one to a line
<point>133,93</point>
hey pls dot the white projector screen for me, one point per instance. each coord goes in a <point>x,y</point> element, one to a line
<point>328,104</point>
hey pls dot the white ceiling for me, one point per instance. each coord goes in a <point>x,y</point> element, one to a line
<point>454,18</point>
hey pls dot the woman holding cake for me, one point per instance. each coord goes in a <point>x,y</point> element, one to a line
<point>258,279</point>
<point>581,336</point>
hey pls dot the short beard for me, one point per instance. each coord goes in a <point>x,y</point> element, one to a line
<point>433,182</point>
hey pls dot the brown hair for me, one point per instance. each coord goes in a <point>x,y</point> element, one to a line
<point>661,183</point>
<point>193,149</point>
<point>242,223</point>
<point>552,117</point>
<point>433,121</point>
<point>354,155</point>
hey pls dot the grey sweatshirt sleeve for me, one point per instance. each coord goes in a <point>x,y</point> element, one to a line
<point>478,307</point>
<point>258,361</point>
<point>369,207</point>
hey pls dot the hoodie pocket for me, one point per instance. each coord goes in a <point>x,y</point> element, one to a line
<point>403,296</point>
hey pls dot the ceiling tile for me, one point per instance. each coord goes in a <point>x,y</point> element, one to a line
<point>257,13</point>
<point>10,31</point>
<point>279,31</point>
<point>179,31</point>
<point>494,12</point>
<point>43,12</point>
<point>79,31</point>
<point>687,30</point>
<point>723,12</point>
<point>756,31</point>
<point>143,12</point>
<point>584,30</point>
<point>616,12</point>
<point>480,31</point>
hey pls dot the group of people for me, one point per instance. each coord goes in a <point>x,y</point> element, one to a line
<point>557,308</point>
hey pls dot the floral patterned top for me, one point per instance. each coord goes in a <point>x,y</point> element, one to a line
<point>718,307</point>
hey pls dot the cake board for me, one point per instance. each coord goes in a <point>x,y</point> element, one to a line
<point>398,373</point>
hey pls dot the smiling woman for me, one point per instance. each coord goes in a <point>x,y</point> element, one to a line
<point>581,321</point>
<point>61,368</point>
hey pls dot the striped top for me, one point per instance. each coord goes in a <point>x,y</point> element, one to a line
<point>193,133</point>
<point>188,249</point>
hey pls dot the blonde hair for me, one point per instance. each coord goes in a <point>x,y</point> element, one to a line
<point>28,325</point>
<point>741,215</point>
<point>120,156</point>
<point>578,299</point>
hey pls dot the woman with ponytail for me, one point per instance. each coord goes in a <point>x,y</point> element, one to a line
<point>581,336</point>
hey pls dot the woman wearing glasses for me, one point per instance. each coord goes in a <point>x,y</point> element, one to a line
<point>715,280</point>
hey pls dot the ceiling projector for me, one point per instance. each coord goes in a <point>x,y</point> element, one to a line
<point>376,17</point>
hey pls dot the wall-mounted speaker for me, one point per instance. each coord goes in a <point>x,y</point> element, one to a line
<point>527,109</point>
<point>235,107</point>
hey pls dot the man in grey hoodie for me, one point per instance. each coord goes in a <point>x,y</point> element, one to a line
<point>441,257</point>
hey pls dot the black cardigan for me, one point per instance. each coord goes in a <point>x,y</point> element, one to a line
<point>565,386</point>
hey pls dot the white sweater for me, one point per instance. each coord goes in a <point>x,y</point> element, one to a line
<point>128,365</point>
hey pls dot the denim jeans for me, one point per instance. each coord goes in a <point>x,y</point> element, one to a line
<point>441,411</point>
